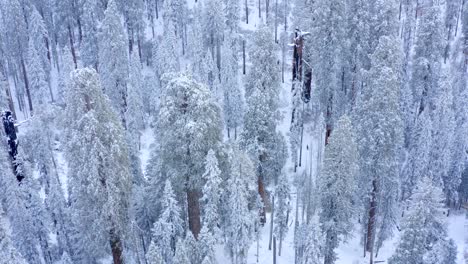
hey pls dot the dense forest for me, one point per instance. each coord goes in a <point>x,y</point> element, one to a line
<point>229,131</point>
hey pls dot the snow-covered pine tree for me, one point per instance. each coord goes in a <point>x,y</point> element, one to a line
<point>262,92</point>
<point>309,246</point>
<point>113,59</point>
<point>206,246</point>
<point>233,106</point>
<point>168,229</point>
<point>239,226</point>
<point>37,77</point>
<point>423,226</point>
<point>181,253</point>
<point>337,187</point>
<point>188,126</point>
<point>15,41</point>
<point>135,115</point>
<point>214,23</point>
<point>443,120</point>
<point>135,14</point>
<point>153,256</point>
<point>89,45</point>
<point>428,50</point>
<point>209,73</point>
<point>20,219</point>
<point>166,53</point>
<point>232,15</point>
<point>38,35</point>
<point>328,47</point>
<point>419,153</point>
<point>443,252</point>
<point>66,68</point>
<point>99,180</point>
<point>211,194</point>
<point>8,254</point>
<point>282,209</point>
<point>379,126</point>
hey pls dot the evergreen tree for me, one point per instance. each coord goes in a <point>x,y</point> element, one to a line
<point>428,50</point>
<point>206,246</point>
<point>239,225</point>
<point>9,254</point>
<point>64,76</point>
<point>38,36</point>
<point>337,187</point>
<point>419,154</point>
<point>232,15</point>
<point>134,114</point>
<point>38,79</point>
<point>166,55</point>
<point>113,59</point>
<point>89,45</point>
<point>181,254</point>
<point>153,256</point>
<point>188,126</point>
<point>99,181</point>
<point>328,50</point>
<point>423,228</point>
<point>233,100</point>
<point>168,228</point>
<point>378,120</point>
<point>282,209</point>
<point>213,28</point>
<point>262,89</point>
<point>211,194</point>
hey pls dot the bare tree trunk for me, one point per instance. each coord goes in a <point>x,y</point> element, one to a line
<point>276,21</point>
<point>72,46</point>
<point>274,250</point>
<point>156,7</point>
<point>371,220</point>
<point>267,7</point>
<point>259,9</point>
<point>271,222</point>
<point>26,84</point>
<point>243,56</point>
<point>193,208</point>
<point>246,12</point>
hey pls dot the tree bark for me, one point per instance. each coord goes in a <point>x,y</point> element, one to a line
<point>193,209</point>
<point>261,192</point>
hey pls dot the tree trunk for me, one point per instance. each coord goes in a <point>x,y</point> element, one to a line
<point>271,221</point>
<point>371,220</point>
<point>26,84</point>
<point>261,192</point>
<point>116,247</point>
<point>72,46</point>
<point>243,56</point>
<point>274,250</point>
<point>276,21</point>
<point>193,212</point>
<point>246,12</point>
